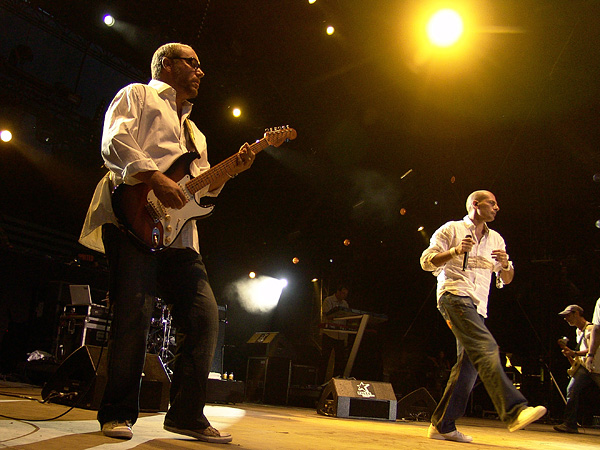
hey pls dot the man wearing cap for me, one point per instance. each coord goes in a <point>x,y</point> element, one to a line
<point>582,378</point>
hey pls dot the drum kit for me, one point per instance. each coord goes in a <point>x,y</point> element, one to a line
<point>161,338</point>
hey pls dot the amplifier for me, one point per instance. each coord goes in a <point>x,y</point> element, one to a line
<point>93,310</point>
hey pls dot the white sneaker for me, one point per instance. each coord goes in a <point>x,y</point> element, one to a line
<point>526,416</point>
<point>456,436</point>
<point>116,429</point>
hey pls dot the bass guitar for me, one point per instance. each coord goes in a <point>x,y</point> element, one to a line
<point>155,226</point>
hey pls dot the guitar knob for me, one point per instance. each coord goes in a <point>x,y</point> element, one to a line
<point>167,240</point>
<point>169,228</point>
<point>167,217</point>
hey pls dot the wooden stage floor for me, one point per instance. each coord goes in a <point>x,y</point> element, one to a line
<point>256,427</point>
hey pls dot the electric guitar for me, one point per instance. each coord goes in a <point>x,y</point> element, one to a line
<point>155,226</point>
<point>575,362</point>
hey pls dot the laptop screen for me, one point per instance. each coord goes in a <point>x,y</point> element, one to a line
<point>80,294</point>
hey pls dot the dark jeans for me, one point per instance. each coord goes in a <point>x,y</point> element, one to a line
<point>580,381</point>
<point>338,346</point>
<point>137,277</point>
<point>477,353</point>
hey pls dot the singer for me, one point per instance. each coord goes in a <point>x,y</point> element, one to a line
<point>462,298</point>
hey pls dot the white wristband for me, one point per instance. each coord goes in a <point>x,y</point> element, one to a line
<point>453,252</point>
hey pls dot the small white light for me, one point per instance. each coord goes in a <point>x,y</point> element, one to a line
<point>109,20</point>
<point>237,112</point>
<point>330,30</point>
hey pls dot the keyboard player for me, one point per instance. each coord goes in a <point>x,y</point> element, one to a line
<point>333,341</point>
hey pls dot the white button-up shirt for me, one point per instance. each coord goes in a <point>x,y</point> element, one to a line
<point>475,281</point>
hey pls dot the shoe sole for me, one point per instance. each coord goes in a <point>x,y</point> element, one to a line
<point>118,435</point>
<point>199,436</point>
<point>537,416</point>
<point>440,437</point>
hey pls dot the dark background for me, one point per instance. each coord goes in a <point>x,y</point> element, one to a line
<point>515,112</point>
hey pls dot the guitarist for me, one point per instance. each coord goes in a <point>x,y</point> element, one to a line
<point>146,129</point>
<point>581,377</point>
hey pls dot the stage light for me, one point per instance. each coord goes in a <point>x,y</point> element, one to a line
<point>5,136</point>
<point>445,28</point>
<point>259,295</point>
<point>237,112</point>
<point>295,260</point>
<point>596,177</point>
<point>252,275</point>
<point>108,20</point>
<point>420,228</point>
<point>346,242</point>
<point>402,211</point>
<point>597,223</point>
<point>330,30</point>
<point>310,2</point>
<point>314,280</point>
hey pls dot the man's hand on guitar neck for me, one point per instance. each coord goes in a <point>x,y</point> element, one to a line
<point>245,158</point>
<point>166,190</point>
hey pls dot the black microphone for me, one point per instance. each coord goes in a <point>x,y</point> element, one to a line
<point>466,257</point>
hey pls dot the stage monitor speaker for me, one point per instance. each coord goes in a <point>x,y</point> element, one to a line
<point>74,383</point>
<point>417,405</point>
<point>358,399</point>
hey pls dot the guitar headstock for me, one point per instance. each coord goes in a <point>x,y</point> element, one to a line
<point>277,136</point>
<point>563,341</point>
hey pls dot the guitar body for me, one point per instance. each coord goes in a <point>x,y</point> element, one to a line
<point>151,224</point>
<point>575,362</point>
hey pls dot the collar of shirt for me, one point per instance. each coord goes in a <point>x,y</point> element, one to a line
<point>471,226</point>
<point>166,90</point>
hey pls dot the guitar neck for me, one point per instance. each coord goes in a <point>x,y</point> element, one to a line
<point>223,168</point>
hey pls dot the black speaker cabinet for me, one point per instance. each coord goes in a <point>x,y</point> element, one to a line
<point>74,383</point>
<point>217,363</point>
<point>268,380</point>
<point>358,399</point>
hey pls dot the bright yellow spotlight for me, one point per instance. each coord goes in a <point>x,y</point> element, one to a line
<point>346,242</point>
<point>314,280</point>
<point>252,275</point>
<point>445,28</point>
<point>5,136</point>
<point>108,20</point>
<point>310,2</point>
<point>237,112</point>
<point>295,260</point>
<point>330,30</point>
<point>420,228</point>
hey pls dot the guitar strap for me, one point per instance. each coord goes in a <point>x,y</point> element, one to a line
<point>583,335</point>
<point>190,132</point>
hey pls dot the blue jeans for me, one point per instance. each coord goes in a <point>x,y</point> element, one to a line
<point>477,353</point>
<point>137,277</point>
<point>581,380</point>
